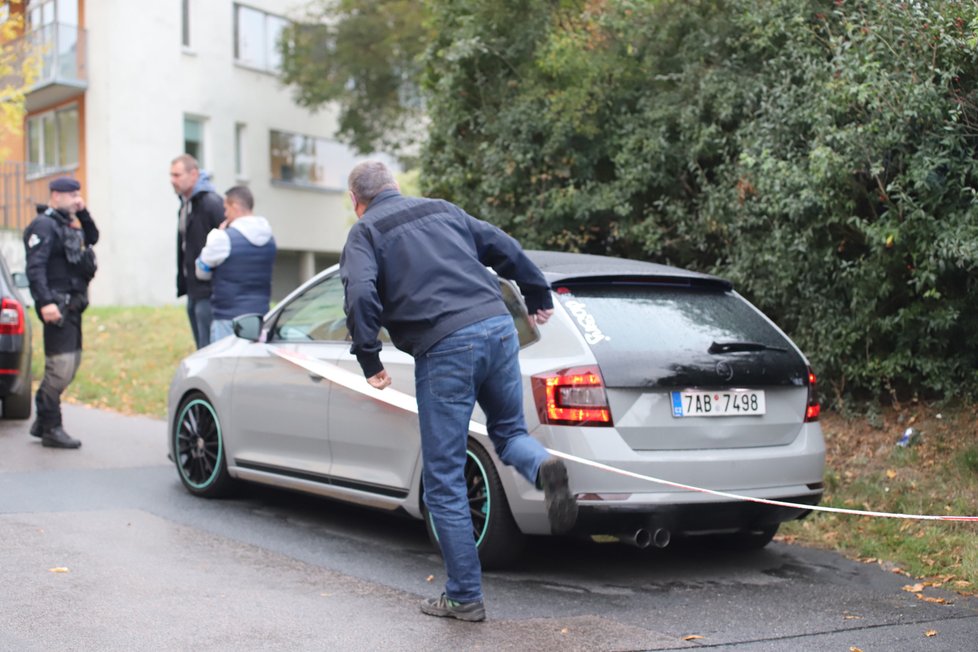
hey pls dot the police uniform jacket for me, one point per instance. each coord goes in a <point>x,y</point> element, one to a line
<point>46,240</point>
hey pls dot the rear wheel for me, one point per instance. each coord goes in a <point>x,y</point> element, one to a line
<point>497,538</point>
<point>198,448</point>
<point>18,405</point>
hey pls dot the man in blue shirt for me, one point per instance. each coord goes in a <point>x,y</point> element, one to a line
<point>419,267</point>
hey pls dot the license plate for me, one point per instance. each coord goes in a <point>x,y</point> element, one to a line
<point>725,403</point>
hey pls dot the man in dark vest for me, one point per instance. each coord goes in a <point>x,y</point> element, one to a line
<point>60,264</point>
<point>237,259</point>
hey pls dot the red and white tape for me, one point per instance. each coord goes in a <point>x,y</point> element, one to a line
<point>395,398</point>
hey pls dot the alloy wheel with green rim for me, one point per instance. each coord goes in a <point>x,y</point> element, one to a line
<point>479,497</point>
<point>199,447</point>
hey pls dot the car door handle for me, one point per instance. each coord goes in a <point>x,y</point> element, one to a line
<point>316,377</point>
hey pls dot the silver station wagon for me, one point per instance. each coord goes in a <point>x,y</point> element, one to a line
<point>645,368</point>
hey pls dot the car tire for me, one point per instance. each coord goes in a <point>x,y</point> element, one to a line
<point>753,538</point>
<point>18,405</point>
<point>498,539</point>
<point>198,448</point>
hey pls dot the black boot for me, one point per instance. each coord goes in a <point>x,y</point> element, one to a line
<point>559,501</point>
<point>57,438</point>
<point>36,429</point>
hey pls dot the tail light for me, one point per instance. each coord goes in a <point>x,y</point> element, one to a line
<point>813,409</point>
<point>572,397</point>
<point>11,317</point>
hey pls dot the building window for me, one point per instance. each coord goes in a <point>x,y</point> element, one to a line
<point>193,138</point>
<point>256,36</point>
<point>310,161</point>
<point>185,23</point>
<point>239,150</point>
<point>52,141</point>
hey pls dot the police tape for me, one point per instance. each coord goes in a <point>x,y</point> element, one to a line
<point>355,382</point>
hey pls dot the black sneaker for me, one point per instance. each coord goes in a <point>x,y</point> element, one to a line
<point>36,429</point>
<point>57,438</point>
<point>445,607</point>
<point>561,504</point>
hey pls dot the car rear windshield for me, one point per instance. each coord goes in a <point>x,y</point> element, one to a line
<point>661,334</point>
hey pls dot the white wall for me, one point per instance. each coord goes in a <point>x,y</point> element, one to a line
<point>141,84</point>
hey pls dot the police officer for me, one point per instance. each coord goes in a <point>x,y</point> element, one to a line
<point>60,264</point>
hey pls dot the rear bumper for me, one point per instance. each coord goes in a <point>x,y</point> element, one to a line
<point>790,473</point>
<point>696,518</point>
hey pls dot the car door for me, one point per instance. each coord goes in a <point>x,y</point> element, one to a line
<point>376,446</point>
<point>280,407</point>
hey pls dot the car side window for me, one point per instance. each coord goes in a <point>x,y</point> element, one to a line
<point>316,315</point>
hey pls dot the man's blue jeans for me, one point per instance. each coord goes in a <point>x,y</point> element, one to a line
<point>199,312</point>
<point>221,328</point>
<point>475,363</point>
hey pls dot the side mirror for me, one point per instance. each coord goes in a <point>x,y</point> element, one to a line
<point>247,327</point>
<point>21,280</point>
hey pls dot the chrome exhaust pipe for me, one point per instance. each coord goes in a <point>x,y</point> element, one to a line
<point>640,538</point>
<point>661,537</point>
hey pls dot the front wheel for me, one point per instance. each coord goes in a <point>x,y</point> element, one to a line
<point>198,448</point>
<point>497,538</point>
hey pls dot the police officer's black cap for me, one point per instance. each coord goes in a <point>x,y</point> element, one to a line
<point>64,184</point>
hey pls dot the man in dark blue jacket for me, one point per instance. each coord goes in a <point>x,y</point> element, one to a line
<point>60,264</point>
<point>419,268</point>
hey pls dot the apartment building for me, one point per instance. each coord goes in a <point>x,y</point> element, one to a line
<point>125,86</point>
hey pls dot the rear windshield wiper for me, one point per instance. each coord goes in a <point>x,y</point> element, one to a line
<point>733,347</point>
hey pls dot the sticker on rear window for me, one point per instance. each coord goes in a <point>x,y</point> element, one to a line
<point>592,334</point>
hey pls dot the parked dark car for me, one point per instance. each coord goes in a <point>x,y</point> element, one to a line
<point>15,347</point>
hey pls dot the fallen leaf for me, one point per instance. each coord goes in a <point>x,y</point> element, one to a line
<point>890,473</point>
<point>430,578</point>
<point>563,630</point>
<point>855,649</point>
<point>58,569</point>
<point>692,637</point>
<point>930,599</point>
<point>962,583</point>
<point>852,617</point>
<point>916,588</point>
<point>930,632</point>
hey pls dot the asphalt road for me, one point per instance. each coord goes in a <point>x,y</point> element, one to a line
<point>142,565</point>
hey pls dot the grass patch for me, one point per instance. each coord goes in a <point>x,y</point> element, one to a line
<point>131,353</point>
<point>939,475</point>
<point>129,357</point>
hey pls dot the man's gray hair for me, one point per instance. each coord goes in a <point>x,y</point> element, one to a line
<point>189,162</point>
<point>369,179</point>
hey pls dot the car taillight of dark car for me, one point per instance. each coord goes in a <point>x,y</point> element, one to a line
<point>11,317</point>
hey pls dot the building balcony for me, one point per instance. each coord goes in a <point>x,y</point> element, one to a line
<point>61,53</point>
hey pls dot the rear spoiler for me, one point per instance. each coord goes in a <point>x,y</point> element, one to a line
<point>692,280</point>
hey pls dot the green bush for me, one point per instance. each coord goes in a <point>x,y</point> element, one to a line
<point>820,154</point>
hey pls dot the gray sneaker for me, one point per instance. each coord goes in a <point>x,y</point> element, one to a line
<point>561,504</point>
<point>445,607</point>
